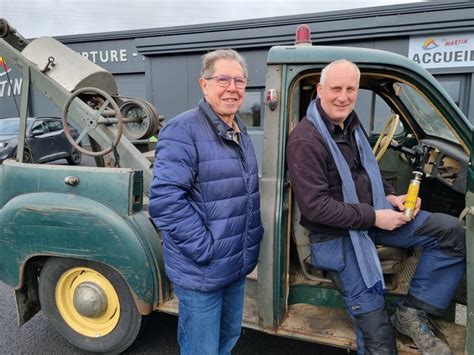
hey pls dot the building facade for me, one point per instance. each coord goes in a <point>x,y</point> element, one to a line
<point>162,65</point>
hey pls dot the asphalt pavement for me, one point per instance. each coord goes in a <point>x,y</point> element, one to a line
<point>38,337</point>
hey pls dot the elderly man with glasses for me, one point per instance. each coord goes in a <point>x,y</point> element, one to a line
<point>205,200</point>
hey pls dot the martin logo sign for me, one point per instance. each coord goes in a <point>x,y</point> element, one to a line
<point>8,88</point>
<point>4,68</point>
<point>443,51</point>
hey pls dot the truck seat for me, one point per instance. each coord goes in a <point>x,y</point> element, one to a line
<point>390,257</point>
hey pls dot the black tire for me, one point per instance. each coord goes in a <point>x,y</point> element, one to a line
<point>54,289</point>
<point>27,157</point>
<point>75,157</point>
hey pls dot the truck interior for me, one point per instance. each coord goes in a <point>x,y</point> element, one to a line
<point>412,135</point>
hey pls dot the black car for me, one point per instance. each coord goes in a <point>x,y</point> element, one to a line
<point>45,141</point>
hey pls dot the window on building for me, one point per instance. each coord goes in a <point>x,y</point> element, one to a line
<point>132,85</point>
<point>453,87</point>
<point>457,86</point>
<point>251,111</point>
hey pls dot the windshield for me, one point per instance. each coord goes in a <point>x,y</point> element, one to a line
<point>9,127</point>
<point>424,113</point>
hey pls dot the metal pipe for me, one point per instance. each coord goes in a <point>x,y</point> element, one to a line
<point>112,120</point>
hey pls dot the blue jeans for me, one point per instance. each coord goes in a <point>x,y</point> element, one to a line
<point>210,322</point>
<point>437,274</point>
<point>432,287</point>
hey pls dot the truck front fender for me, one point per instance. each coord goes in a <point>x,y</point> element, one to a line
<point>65,225</point>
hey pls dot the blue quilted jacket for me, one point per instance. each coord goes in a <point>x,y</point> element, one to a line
<point>205,200</point>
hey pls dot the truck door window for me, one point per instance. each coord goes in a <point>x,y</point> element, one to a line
<point>425,114</point>
<point>373,112</point>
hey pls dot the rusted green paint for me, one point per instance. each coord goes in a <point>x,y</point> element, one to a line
<point>112,187</point>
<point>43,216</point>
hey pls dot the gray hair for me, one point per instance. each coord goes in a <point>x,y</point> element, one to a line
<point>208,60</point>
<point>330,65</point>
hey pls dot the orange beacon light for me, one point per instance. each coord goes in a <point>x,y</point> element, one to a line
<point>412,194</point>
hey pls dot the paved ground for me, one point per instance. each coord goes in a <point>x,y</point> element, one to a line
<point>159,337</point>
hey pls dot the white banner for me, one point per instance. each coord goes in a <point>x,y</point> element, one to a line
<point>443,51</point>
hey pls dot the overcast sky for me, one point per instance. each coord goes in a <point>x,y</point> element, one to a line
<point>35,18</point>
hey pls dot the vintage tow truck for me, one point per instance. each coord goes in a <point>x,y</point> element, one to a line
<point>77,242</point>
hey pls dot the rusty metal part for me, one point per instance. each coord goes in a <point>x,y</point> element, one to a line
<point>27,298</point>
<point>143,307</point>
<point>4,27</point>
<point>99,100</point>
<point>12,37</point>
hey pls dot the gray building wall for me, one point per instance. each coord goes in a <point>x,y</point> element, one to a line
<point>177,50</point>
<point>162,65</point>
<point>173,79</point>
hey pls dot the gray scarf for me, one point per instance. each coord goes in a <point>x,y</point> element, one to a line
<point>366,254</point>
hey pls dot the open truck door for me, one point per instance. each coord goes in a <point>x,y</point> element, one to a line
<point>469,212</point>
<point>429,133</point>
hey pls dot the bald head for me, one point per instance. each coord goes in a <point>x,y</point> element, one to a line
<point>339,63</point>
<point>338,88</point>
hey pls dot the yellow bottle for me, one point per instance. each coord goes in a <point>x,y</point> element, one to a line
<point>412,194</point>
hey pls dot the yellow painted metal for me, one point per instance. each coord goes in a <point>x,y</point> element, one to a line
<point>91,327</point>
<point>386,136</point>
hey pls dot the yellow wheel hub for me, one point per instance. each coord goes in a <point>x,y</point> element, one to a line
<point>87,302</point>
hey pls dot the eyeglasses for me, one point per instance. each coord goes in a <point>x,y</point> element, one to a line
<point>225,80</point>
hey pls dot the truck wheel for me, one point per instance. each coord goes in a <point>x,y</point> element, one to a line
<point>75,157</point>
<point>89,304</point>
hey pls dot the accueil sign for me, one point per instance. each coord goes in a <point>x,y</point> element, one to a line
<point>443,51</point>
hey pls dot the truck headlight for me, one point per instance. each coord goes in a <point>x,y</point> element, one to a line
<point>3,145</point>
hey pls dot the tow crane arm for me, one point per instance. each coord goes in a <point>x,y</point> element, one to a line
<point>85,92</point>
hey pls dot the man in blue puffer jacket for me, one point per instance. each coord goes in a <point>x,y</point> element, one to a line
<point>205,200</point>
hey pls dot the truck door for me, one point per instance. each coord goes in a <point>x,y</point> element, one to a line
<point>469,255</point>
